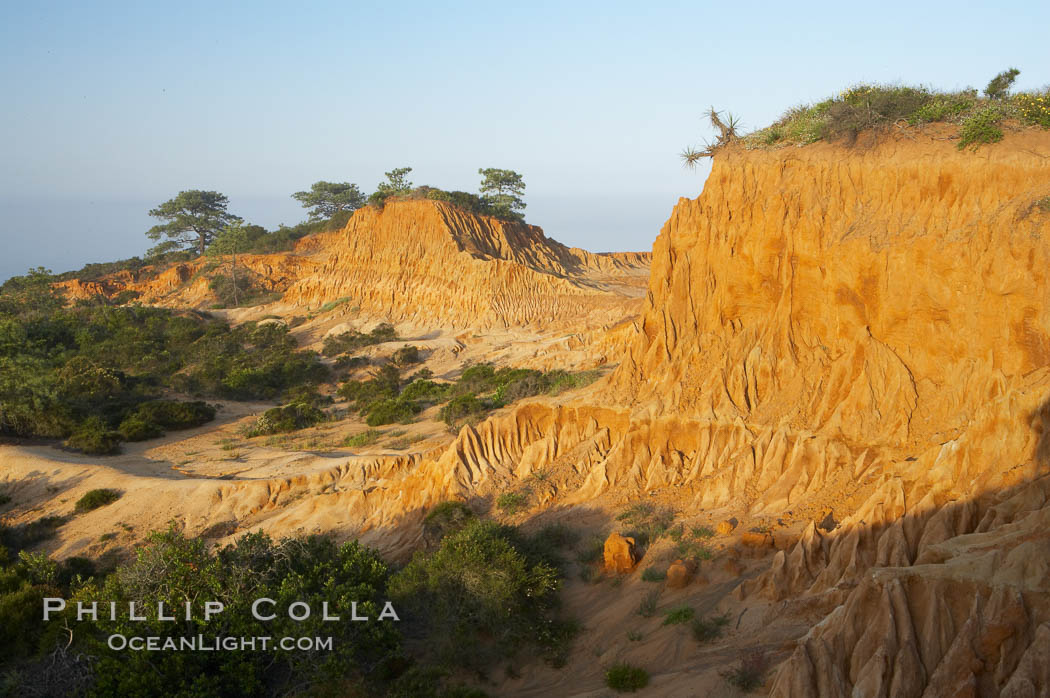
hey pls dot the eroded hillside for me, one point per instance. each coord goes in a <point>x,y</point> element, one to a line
<point>843,352</point>
<point>425,262</point>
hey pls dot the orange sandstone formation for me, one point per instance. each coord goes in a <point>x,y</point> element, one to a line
<point>425,262</point>
<point>619,554</point>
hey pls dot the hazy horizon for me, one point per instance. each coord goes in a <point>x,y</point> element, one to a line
<point>116,108</point>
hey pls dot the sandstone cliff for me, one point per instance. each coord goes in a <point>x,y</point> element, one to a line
<point>885,309</point>
<point>432,262</point>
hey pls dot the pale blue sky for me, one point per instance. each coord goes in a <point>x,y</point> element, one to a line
<point>112,108</point>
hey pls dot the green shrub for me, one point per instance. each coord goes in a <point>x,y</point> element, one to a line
<point>170,567</point>
<point>646,522</point>
<point>354,340</point>
<point>93,436</point>
<point>171,414</point>
<point>943,108</point>
<point>135,428</point>
<point>651,574</point>
<point>512,502</point>
<point>982,127</point>
<point>149,420</point>
<point>481,596</point>
<point>95,499</point>
<point>406,356</point>
<point>423,390</point>
<point>390,411</point>
<point>708,629</point>
<point>462,407</point>
<point>703,532</point>
<point>280,420</point>
<point>624,678</point>
<point>678,615</point>
<point>348,362</point>
<point>364,438</point>
<point>693,550</point>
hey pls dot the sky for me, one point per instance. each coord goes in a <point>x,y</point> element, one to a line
<point>112,108</point>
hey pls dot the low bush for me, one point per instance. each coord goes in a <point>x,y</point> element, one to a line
<point>678,615</point>
<point>646,522</point>
<point>149,420</point>
<point>708,629</point>
<point>93,436</point>
<point>427,391</point>
<point>332,305</point>
<point>171,414</point>
<point>364,438</point>
<point>512,502</point>
<point>881,106</point>
<point>136,428</point>
<point>347,362</point>
<point>651,574</point>
<point>354,340</point>
<point>981,127</point>
<point>280,420</point>
<point>95,499</point>
<point>170,567</point>
<point>406,356</point>
<point>750,673</point>
<point>390,411</point>
<point>592,550</point>
<point>482,596</point>
<point>463,408</point>
<point>703,532</point>
<point>1034,108</point>
<point>625,678</point>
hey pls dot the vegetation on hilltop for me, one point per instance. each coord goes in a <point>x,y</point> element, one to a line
<point>500,196</point>
<point>867,106</point>
<point>197,223</point>
<point>326,199</point>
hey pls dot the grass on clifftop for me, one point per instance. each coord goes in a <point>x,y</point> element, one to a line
<point>872,106</point>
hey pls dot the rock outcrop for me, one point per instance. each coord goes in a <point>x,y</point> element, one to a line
<point>425,262</point>
<point>433,263</point>
<point>618,553</point>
